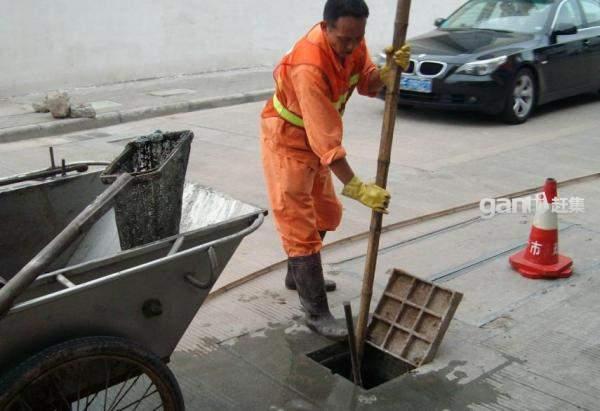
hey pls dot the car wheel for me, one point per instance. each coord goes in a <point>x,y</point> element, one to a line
<point>522,98</point>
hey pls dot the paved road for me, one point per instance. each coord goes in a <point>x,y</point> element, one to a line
<point>514,343</point>
<point>439,159</point>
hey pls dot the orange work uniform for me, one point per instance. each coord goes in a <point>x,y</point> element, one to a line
<point>301,134</point>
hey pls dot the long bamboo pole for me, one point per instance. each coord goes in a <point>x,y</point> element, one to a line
<point>383,165</point>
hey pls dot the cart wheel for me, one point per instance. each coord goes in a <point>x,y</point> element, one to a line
<point>94,373</point>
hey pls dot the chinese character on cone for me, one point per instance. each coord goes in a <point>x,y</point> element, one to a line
<point>540,258</point>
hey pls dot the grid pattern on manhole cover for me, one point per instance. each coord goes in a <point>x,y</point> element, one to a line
<point>412,318</point>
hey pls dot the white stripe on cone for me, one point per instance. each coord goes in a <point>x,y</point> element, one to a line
<point>544,218</point>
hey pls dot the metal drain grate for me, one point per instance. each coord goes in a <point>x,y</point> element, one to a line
<point>412,318</point>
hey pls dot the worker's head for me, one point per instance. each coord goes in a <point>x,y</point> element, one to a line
<point>345,24</point>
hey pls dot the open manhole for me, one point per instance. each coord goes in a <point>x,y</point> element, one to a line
<point>378,367</point>
<point>405,332</point>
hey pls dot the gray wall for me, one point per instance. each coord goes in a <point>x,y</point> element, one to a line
<point>67,43</point>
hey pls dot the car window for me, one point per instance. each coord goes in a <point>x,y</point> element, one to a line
<point>525,16</point>
<point>591,10</point>
<point>467,15</point>
<point>569,15</point>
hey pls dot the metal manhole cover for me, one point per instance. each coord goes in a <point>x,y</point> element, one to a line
<point>412,318</point>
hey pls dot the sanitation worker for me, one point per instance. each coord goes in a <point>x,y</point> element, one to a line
<point>301,139</point>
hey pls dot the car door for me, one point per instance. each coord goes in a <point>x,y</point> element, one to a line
<point>591,29</point>
<point>563,61</point>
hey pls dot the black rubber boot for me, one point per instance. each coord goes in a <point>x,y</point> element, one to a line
<point>290,284</point>
<point>308,275</point>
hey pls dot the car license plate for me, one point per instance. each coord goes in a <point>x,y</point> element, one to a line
<point>411,83</point>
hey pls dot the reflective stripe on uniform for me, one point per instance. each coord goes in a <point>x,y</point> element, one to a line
<point>286,114</point>
<point>296,119</point>
<point>338,104</point>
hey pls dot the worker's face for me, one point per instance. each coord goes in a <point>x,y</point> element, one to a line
<point>346,34</point>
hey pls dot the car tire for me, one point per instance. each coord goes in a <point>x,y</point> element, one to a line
<point>522,98</point>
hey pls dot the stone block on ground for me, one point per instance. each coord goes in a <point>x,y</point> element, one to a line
<point>41,107</point>
<point>83,110</point>
<point>58,102</point>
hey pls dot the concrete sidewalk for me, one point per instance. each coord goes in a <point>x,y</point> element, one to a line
<point>137,100</point>
<point>514,343</point>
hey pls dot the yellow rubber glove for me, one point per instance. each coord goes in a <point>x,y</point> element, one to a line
<point>370,195</point>
<point>401,57</point>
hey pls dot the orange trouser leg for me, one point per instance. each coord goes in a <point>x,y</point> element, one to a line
<point>302,200</point>
<point>328,207</point>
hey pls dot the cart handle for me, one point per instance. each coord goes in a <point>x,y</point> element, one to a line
<point>242,233</point>
<point>79,166</point>
<point>212,254</point>
<point>214,271</point>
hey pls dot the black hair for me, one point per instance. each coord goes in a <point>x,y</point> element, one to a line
<point>334,9</point>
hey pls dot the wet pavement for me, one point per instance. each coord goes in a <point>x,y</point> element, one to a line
<point>515,343</point>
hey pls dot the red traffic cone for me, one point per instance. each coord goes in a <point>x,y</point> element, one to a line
<point>540,259</point>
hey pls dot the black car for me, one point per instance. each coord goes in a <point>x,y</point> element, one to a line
<point>504,57</point>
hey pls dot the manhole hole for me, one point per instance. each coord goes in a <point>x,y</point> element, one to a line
<point>378,367</point>
<point>406,330</point>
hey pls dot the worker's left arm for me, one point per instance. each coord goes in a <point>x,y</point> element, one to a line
<point>370,82</point>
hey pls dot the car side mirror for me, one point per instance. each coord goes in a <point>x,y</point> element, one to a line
<point>439,21</point>
<point>564,29</point>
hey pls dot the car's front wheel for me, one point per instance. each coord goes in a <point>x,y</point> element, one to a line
<point>521,101</point>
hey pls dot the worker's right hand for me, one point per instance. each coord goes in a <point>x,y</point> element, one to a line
<point>370,195</point>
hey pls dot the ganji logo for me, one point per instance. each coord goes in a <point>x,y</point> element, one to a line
<point>489,207</point>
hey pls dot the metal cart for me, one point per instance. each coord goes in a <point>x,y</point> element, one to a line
<point>96,330</point>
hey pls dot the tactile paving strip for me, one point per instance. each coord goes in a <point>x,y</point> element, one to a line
<point>412,318</point>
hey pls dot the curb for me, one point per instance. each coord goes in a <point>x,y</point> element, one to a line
<point>56,127</point>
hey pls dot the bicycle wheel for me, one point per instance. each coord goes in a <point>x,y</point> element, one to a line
<point>93,373</point>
